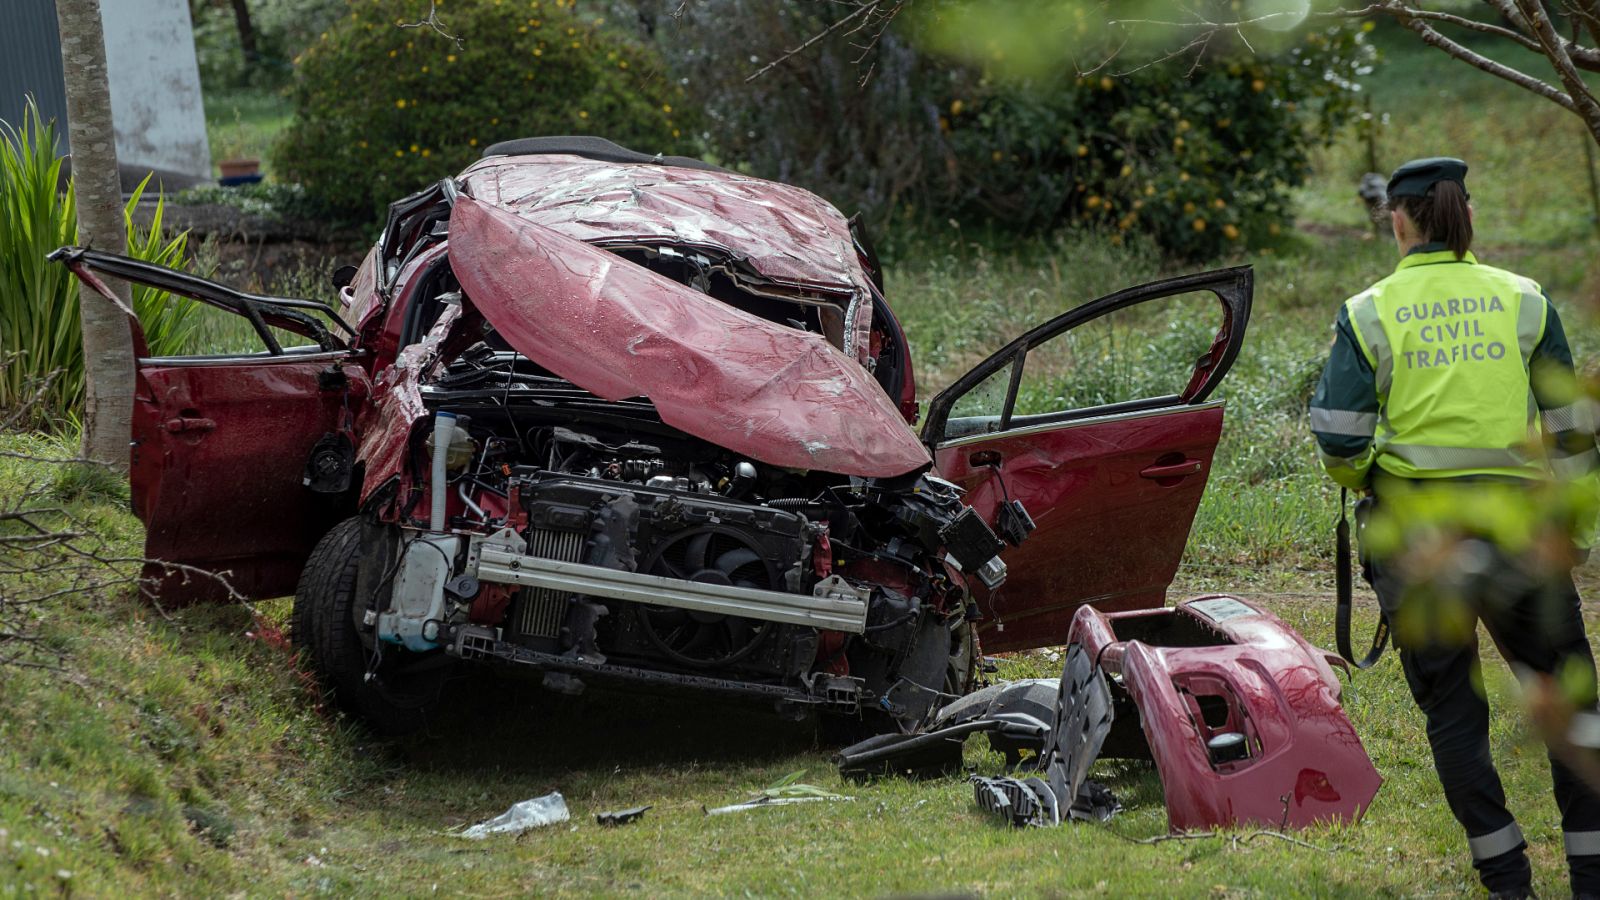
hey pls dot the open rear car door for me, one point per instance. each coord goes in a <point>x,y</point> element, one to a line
<point>238,462</point>
<point>1100,422</point>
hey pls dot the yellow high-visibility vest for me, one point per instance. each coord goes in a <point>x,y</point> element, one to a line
<point>1450,343</point>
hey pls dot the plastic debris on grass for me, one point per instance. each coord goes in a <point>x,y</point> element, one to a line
<point>535,813</point>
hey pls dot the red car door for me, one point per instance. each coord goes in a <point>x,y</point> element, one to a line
<point>1101,423</point>
<point>238,462</point>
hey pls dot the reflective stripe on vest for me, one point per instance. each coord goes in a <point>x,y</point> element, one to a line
<point>1364,316</point>
<point>1426,457</point>
<point>1530,323</point>
<point>1574,417</point>
<point>1571,467</point>
<point>1343,421</point>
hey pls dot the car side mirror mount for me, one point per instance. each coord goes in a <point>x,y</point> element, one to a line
<point>344,276</point>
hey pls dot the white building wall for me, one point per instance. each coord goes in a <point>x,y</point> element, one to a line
<point>155,86</point>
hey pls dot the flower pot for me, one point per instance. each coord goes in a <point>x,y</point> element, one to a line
<point>236,168</point>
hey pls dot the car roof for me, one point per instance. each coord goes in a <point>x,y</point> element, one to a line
<point>591,147</point>
<point>598,192</point>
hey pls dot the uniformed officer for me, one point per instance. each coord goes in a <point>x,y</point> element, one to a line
<point>1450,396</point>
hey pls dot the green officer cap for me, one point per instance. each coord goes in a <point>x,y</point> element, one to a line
<point>1417,177</point>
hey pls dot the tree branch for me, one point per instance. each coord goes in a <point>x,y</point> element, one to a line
<point>862,10</point>
<point>1555,50</point>
<point>1433,38</point>
<point>1585,11</point>
<point>432,22</point>
<point>1475,25</point>
<point>1583,57</point>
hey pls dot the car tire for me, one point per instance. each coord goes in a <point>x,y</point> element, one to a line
<point>960,674</point>
<point>403,693</point>
<point>963,670</point>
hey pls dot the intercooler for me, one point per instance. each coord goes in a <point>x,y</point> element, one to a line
<point>542,611</point>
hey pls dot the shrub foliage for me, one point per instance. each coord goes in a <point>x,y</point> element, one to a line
<point>1204,161</point>
<point>382,110</point>
<point>941,118</point>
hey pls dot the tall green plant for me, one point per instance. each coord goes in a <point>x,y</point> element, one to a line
<point>169,322</point>
<point>40,333</point>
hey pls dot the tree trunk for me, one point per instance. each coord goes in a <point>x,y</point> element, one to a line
<point>107,339</point>
<point>247,30</point>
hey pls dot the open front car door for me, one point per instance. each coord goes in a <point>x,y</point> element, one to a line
<point>1101,423</point>
<point>239,462</point>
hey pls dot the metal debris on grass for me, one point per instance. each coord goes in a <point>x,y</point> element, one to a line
<point>786,791</point>
<point>621,816</point>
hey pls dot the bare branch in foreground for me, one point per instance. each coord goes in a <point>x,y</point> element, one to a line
<point>1234,839</point>
<point>432,22</point>
<point>49,556</point>
<point>862,10</point>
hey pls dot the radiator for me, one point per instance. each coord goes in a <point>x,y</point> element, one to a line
<point>542,611</point>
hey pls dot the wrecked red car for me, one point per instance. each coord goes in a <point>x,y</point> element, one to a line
<point>618,419</point>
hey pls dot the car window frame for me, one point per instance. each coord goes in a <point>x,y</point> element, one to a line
<point>1233,288</point>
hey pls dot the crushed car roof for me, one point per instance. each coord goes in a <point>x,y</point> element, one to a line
<point>764,390</point>
<point>783,233</point>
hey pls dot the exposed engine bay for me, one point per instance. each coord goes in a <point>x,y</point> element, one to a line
<point>545,528</point>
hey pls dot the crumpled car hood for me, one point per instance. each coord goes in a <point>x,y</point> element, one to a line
<point>781,232</point>
<point>785,233</point>
<point>772,393</point>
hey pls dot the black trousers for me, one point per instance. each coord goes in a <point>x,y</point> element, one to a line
<point>1537,625</point>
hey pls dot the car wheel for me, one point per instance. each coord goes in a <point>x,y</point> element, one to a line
<point>963,668</point>
<point>392,690</point>
<point>960,673</point>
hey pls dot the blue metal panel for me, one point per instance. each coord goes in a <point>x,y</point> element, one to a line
<point>30,63</point>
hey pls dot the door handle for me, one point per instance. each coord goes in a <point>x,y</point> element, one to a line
<point>984,458</point>
<point>1182,469</point>
<point>187,423</point>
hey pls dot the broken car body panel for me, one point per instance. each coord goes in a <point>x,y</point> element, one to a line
<point>763,390</point>
<point>388,423</point>
<point>1241,715</point>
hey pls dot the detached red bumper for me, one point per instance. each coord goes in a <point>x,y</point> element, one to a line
<point>1240,714</point>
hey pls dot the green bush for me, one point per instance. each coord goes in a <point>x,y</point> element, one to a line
<point>383,110</point>
<point>943,118</point>
<point>1202,158</point>
<point>41,339</point>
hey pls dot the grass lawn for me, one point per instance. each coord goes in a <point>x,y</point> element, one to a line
<point>183,755</point>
